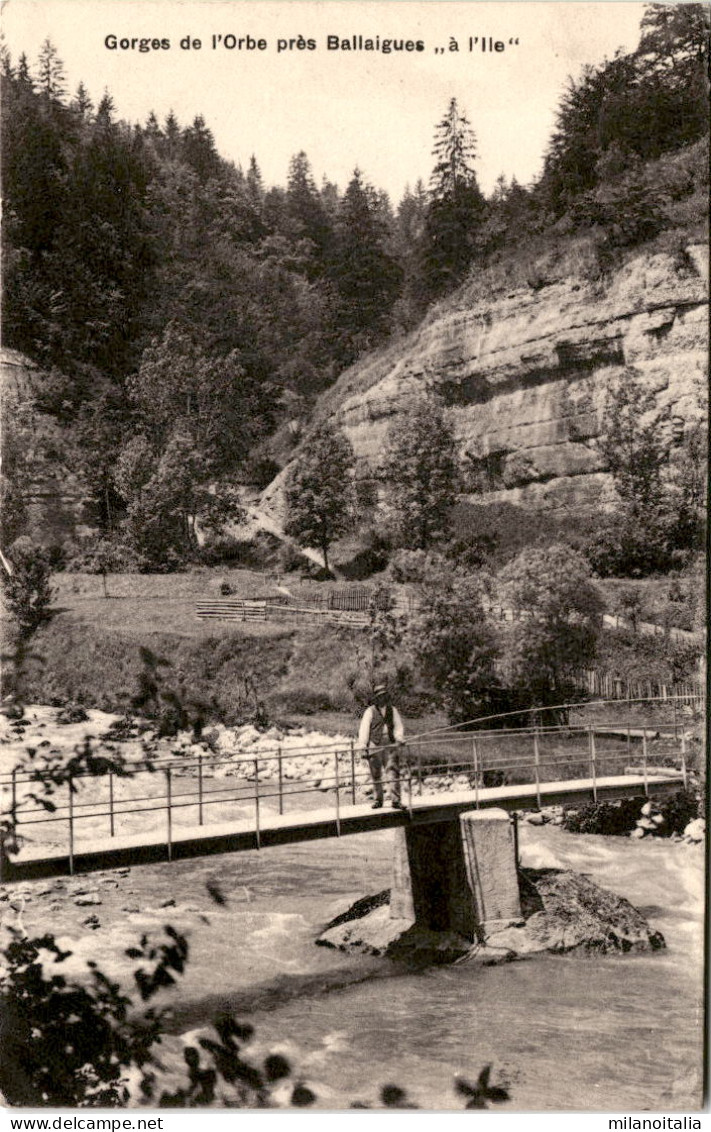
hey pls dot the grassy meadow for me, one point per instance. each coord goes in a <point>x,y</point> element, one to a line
<point>89,653</point>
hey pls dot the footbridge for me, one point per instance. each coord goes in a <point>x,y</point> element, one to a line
<point>178,807</point>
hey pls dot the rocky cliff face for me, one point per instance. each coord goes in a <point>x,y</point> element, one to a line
<point>524,376</point>
<point>53,492</point>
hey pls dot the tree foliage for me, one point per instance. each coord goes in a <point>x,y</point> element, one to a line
<point>319,494</point>
<point>661,488</point>
<point>456,205</point>
<point>421,471</point>
<point>642,104</point>
<point>557,616</point>
<point>453,641</point>
<point>28,589</point>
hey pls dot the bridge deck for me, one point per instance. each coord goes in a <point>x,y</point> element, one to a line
<point>34,861</point>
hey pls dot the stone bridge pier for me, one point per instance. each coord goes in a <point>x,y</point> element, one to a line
<point>457,875</point>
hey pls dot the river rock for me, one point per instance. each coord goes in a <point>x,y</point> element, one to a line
<point>695,831</point>
<point>563,912</point>
<point>87,899</point>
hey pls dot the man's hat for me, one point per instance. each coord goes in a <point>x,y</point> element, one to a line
<point>380,690</point>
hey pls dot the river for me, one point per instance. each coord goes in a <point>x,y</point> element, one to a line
<point>620,1033</point>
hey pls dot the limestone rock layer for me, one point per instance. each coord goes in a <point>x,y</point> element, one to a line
<point>525,377</point>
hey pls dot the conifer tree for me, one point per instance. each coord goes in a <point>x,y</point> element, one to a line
<point>50,72</point>
<point>456,204</point>
<point>366,275</point>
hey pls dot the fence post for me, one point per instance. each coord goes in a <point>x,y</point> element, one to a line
<point>338,795</point>
<point>256,803</point>
<point>515,837</point>
<point>676,733</point>
<point>419,771</point>
<point>683,761</point>
<point>353,776</point>
<point>593,768</point>
<point>281,780</point>
<point>200,788</point>
<point>169,795</point>
<point>475,751</point>
<point>644,761</point>
<point>111,802</point>
<point>409,781</point>
<point>71,827</point>
<point>537,765</point>
<point>15,822</point>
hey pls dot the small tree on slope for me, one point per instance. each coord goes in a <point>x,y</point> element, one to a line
<point>422,475</point>
<point>319,495</point>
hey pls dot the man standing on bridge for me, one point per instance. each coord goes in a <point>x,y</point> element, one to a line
<point>380,731</point>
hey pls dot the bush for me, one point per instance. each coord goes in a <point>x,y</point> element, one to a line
<point>678,810</point>
<point>290,559</point>
<point>625,548</point>
<point>106,556</point>
<point>409,566</point>
<point>27,590</point>
<point>371,559</point>
<point>302,701</point>
<point>258,553</point>
<point>610,818</point>
<point>260,471</point>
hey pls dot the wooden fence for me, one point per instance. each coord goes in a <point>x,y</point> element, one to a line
<point>260,609</point>
<point>604,685</point>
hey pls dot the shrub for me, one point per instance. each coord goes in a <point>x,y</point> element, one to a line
<point>626,548</point>
<point>106,556</point>
<point>610,818</point>
<point>303,701</point>
<point>290,559</point>
<point>678,810</point>
<point>371,559</point>
<point>27,590</point>
<point>261,470</point>
<point>409,565</point>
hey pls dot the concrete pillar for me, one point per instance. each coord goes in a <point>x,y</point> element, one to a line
<point>490,862</point>
<point>456,875</point>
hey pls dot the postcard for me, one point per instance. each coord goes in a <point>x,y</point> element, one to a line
<point>354,380</point>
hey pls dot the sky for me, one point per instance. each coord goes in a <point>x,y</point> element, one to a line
<point>369,109</point>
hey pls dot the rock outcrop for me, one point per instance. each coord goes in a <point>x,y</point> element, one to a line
<point>524,375</point>
<point>562,912</point>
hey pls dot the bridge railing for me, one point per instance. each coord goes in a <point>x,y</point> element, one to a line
<point>178,791</point>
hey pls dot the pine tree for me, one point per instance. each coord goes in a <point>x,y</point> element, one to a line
<point>23,72</point>
<point>254,185</point>
<point>305,214</point>
<point>6,68</point>
<point>50,72</point>
<point>105,112</point>
<point>367,277</point>
<point>456,204</point>
<point>82,103</point>
<point>198,149</point>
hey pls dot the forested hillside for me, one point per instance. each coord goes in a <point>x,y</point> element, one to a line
<point>182,312</point>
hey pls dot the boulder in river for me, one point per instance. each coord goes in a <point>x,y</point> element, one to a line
<point>563,911</point>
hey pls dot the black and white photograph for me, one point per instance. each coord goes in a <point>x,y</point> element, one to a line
<point>353,551</point>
